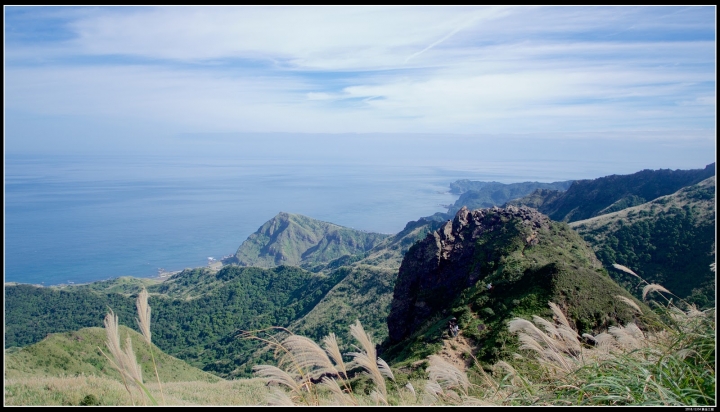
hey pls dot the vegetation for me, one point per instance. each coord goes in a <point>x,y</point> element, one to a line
<point>197,325</point>
<point>669,362</point>
<point>515,278</point>
<point>606,348</point>
<point>589,198</point>
<point>289,239</point>
<point>200,311</point>
<point>672,240</point>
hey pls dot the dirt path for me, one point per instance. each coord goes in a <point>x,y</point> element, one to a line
<point>454,350</point>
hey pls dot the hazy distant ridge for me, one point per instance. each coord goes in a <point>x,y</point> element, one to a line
<point>477,194</point>
<point>593,197</point>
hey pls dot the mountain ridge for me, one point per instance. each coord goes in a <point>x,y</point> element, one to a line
<point>591,197</point>
<point>297,240</point>
<point>489,265</point>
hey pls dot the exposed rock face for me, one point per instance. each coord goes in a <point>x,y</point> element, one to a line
<point>439,267</point>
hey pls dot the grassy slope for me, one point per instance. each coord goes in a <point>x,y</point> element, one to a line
<point>589,198</point>
<point>366,288</point>
<point>76,353</point>
<point>196,314</point>
<point>669,240</point>
<point>561,268</point>
<point>290,239</point>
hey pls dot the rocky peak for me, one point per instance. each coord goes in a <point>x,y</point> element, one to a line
<point>436,269</point>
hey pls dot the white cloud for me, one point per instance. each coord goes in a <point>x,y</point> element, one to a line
<point>374,69</point>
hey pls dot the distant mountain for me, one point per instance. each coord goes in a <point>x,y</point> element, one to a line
<point>489,265</point>
<point>366,288</point>
<point>670,241</point>
<point>290,239</point>
<point>477,194</point>
<point>589,198</point>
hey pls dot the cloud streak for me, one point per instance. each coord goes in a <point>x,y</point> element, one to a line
<point>367,69</point>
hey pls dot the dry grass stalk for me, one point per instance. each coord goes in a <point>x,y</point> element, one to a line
<point>653,287</point>
<point>279,398</point>
<point>143,315</point>
<point>626,270</point>
<point>278,376</point>
<point>368,360</point>
<point>447,375</point>
<point>410,388</point>
<point>306,355</point>
<point>117,360</point>
<point>123,360</point>
<point>560,316</point>
<point>143,320</point>
<point>629,302</point>
<point>340,396</point>
<point>333,350</point>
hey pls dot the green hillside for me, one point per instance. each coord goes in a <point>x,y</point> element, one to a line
<point>78,352</point>
<point>296,240</point>
<point>528,260</point>
<point>585,199</point>
<point>670,241</point>
<point>196,314</point>
<point>366,286</point>
<point>347,275</point>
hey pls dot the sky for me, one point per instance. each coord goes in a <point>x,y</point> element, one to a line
<point>84,79</point>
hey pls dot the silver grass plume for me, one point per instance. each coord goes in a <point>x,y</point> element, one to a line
<point>410,388</point>
<point>629,302</point>
<point>278,397</point>
<point>308,356</point>
<point>123,361</point>
<point>368,360</point>
<point>653,287</point>
<point>340,396</point>
<point>132,367</point>
<point>143,319</point>
<point>559,314</point>
<point>279,376</point>
<point>604,341</point>
<point>447,375</point>
<point>626,270</point>
<point>333,350</point>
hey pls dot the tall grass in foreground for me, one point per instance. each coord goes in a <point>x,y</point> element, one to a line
<point>310,372</point>
<point>106,391</point>
<point>124,360</point>
<point>670,363</point>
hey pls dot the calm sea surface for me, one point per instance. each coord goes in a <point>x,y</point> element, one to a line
<point>81,219</point>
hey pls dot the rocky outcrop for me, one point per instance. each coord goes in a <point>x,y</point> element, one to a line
<point>440,266</point>
<point>528,258</point>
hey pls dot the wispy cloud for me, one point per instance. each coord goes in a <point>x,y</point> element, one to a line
<point>368,69</point>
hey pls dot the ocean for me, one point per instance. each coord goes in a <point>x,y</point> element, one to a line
<point>84,218</point>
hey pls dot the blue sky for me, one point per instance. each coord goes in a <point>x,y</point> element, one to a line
<point>121,77</point>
